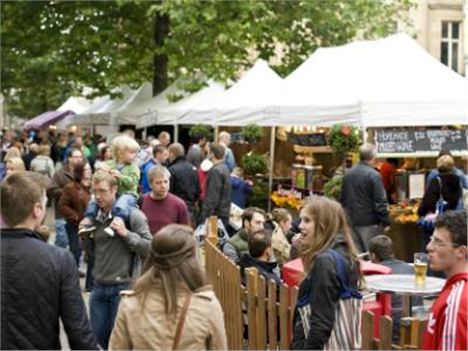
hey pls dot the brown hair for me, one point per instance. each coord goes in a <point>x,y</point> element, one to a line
<point>173,262</point>
<point>104,176</point>
<point>44,149</point>
<point>330,220</point>
<point>177,150</point>
<point>158,172</point>
<point>279,215</point>
<point>445,163</point>
<point>258,242</point>
<point>29,188</point>
<point>382,247</point>
<point>249,212</point>
<point>217,150</point>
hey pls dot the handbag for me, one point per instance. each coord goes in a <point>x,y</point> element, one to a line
<point>181,322</point>
<point>427,223</point>
<point>346,332</point>
<point>201,232</point>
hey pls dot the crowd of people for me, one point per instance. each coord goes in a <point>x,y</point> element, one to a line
<point>131,208</point>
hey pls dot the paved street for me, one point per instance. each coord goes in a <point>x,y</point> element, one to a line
<point>49,221</point>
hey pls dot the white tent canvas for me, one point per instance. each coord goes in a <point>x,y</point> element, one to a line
<point>181,110</point>
<point>147,113</point>
<point>386,82</point>
<point>250,100</point>
<point>75,104</point>
<point>100,111</point>
<point>126,113</point>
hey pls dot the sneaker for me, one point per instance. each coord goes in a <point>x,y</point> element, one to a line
<point>86,229</point>
<point>109,231</point>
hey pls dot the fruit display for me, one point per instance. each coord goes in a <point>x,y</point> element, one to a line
<point>404,213</point>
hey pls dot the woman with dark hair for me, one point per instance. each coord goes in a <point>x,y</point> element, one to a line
<point>171,307</point>
<point>72,204</point>
<point>104,155</point>
<point>332,276</point>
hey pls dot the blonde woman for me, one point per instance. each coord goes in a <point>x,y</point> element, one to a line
<point>171,307</point>
<point>331,265</point>
<point>14,164</point>
<point>42,163</point>
<point>282,220</point>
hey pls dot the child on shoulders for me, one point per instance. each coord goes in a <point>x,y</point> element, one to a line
<point>125,169</point>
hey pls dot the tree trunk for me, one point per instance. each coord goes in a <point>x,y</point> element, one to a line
<point>161,30</point>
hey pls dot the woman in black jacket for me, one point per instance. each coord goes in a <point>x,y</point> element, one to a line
<point>447,185</point>
<point>331,265</point>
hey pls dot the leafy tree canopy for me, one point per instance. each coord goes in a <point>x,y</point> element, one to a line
<point>51,50</point>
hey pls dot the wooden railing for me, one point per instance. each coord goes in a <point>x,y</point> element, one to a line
<point>411,333</point>
<point>258,316</point>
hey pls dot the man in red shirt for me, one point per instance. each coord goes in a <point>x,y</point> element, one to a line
<point>447,325</point>
<point>160,206</point>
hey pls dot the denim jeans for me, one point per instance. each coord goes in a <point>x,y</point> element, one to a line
<point>72,232</point>
<point>120,209</point>
<point>103,305</point>
<point>61,237</point>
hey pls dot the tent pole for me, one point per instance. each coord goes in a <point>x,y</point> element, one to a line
<point>272,162</point>
<point>176,133</point>
<point>216,132</point>
<point>144,134</point>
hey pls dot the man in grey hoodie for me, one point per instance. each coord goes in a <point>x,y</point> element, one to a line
<point>117,256</point>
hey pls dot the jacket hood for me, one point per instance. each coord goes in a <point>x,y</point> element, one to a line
<point>248,261</point>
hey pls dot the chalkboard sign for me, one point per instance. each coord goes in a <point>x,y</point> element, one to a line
<point>313,139</point>
<point>410,140</point>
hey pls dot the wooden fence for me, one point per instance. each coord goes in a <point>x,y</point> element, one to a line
<point>411,333</point>
<point>258,316</point>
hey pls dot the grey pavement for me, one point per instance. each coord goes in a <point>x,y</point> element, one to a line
<point>50,222</point>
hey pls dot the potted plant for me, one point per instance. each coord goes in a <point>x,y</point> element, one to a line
<point>344,139</point>
<point>252,133</point>
<point>201,130</point>
<point>254,164</point>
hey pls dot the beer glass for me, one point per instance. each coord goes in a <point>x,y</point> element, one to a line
<point>420,268</point>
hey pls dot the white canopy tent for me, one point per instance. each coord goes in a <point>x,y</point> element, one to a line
<point>386,82</point>
<point>250,100</point>
<point>147,113</point>
<point>161,111</point>
<point>100,112</point>
<point>126,113</point>
<point>75,104</point>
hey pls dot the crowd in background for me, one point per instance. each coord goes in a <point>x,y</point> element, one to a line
<point>131,207</point>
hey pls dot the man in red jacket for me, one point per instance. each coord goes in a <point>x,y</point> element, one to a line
<point>447,325</point>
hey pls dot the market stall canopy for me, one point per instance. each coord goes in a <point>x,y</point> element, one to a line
<point>249,100</point>
<point>148,112</point>
<point>47,118</point>
<point>102,111</point>
<point>180,111</point>
<point>126,114</point>
<point>75,104</point>
<point>386,82</point>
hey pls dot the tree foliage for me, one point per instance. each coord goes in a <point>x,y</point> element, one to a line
<point>53,49</point>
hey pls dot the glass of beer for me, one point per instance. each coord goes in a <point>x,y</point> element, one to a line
<point>420,268</point>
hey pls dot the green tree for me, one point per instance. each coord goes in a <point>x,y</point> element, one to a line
<point>50,50</point>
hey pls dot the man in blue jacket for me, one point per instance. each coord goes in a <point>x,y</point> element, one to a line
<point>40,282</point>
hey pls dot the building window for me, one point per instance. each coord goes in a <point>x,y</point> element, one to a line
<point>450,44</point>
